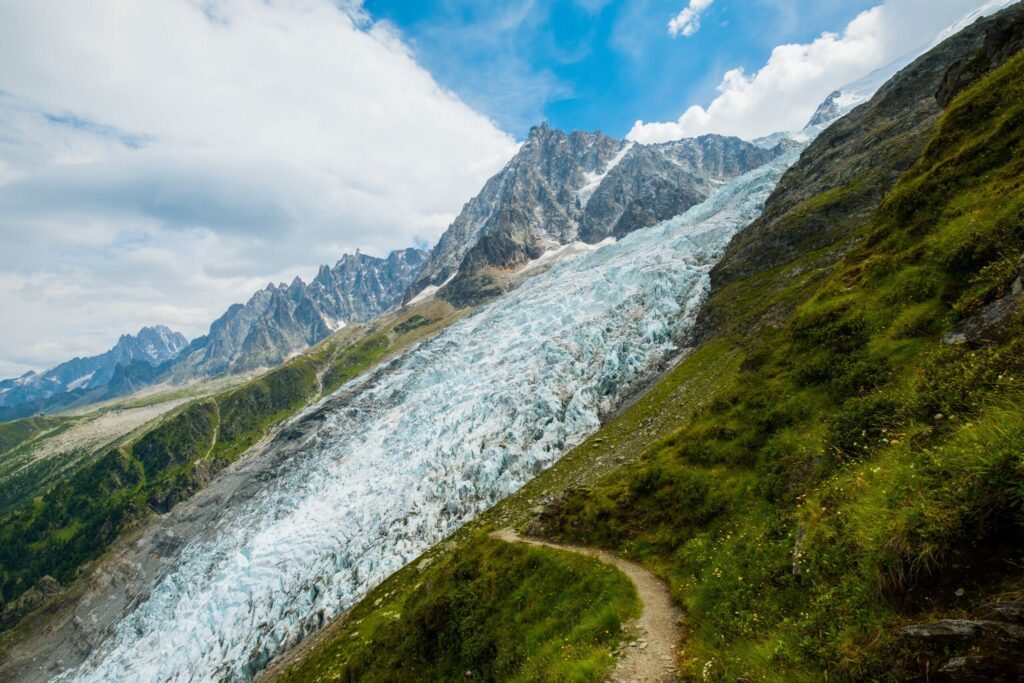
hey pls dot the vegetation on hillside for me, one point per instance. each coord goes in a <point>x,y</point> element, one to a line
<point>857,471</point>
<point>496,610</point>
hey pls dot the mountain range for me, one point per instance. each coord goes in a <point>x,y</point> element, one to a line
<point>780,381</point>
<point>152,346</point>
<point>276,322</point>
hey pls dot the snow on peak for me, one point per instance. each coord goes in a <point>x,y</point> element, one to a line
<point>593,180</point>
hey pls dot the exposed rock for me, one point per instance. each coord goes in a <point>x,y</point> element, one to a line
<point>1011,611</point>
<point>280,320</point>
<point>562,188</point>
<point>1004,37</point>
<point>529,203</point>
<point>968,650</point>
<point>966,630</point>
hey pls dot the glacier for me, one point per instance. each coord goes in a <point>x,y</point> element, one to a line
<point>402,456</point>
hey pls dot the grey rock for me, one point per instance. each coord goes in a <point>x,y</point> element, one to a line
<point>653,183</point>
<point>965,630</point>
<point>562,188</point>
<point>1011,611</point>
<point>280,320</point>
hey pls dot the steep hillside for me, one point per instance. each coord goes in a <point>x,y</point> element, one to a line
<point>832,483</point>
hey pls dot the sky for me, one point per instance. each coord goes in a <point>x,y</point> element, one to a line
<point>161,160</point>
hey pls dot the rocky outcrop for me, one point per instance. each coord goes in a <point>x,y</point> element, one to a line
<point>578,187</point>
<point>843,175</point>
<point>1004,37</point>
<point>531,204</point>
<point>968,650</point>
<point>280,320</point>
<point>360,287</point>
<point>653,183</point>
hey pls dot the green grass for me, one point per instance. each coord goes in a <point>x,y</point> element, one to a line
<point>501,611</point>
<point>854,459</point>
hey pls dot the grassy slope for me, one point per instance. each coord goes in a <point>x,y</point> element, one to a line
<point>795,487</point>
<point>77,518</point>
<point>854,460</point>
<point>500,611</point>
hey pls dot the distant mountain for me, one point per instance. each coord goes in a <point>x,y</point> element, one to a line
<point>578,187</point>
<point>280,320</point>
<point>276,322</point>
<point>152,346</point>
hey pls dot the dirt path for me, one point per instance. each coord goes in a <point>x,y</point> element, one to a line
<point>651,658</point>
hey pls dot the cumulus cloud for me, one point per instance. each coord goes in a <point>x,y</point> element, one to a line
<point>783,94</point>
<point>687,22</point>
<point>161,160</point>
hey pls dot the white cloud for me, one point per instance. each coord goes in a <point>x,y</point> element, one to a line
<point>783,94</point>
<point>160,160</point>
<point>687,22</point>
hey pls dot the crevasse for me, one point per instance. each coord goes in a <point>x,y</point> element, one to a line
<point>420,448</point>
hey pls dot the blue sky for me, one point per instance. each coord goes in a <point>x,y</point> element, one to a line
<point>597,64</point>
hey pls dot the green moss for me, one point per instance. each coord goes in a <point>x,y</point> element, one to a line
<point>501,611</point>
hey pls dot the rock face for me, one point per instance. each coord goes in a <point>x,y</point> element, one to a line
<point>531,204</point>
<point>361,287</point>
<point>579,187</point>
<point>978,650</point>
<point>279,320</point>
<point>653,183</point>
<point>150,347</point>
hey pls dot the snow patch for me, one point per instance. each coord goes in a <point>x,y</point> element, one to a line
<point>428,292</point>
<point>594,180</point>
<point>564,251</point>
<point>80,381</point>
<point>334,325</point>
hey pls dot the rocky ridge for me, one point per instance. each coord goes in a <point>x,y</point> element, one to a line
<point>563,188</point>
<point>150,347</point>
<point>280,320</point>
